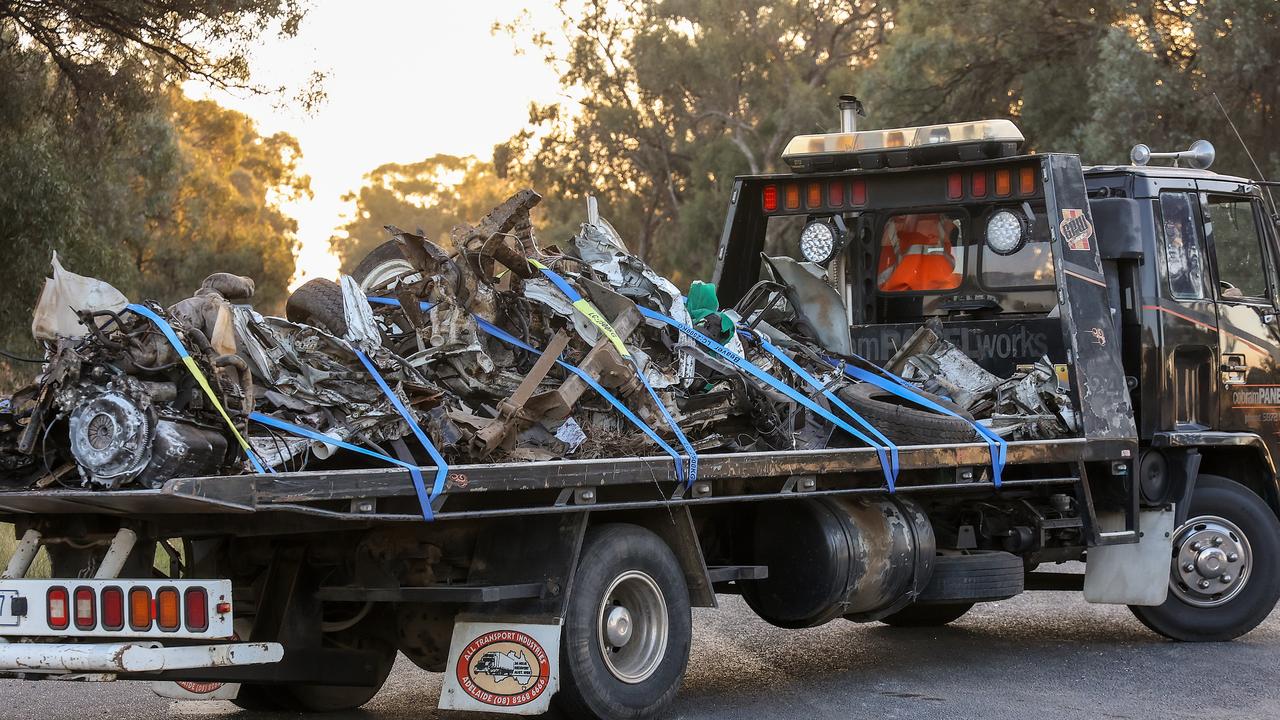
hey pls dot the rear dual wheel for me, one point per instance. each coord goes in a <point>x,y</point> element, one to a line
<point>625,643</point>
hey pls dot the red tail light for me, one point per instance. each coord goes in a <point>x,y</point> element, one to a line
<point>112,608</point>
<point>85,613</point>
<point>770,198</point>
<point>835,194</point>
<point>58,611</point>
<point>859,194</point>
<point>955,186</point>
<point>197,609</point>
<point>140,609</point>
<point>978,185</point>
<point>167,610</point>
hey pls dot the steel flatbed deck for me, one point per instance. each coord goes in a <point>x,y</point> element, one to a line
<point>486,490</point>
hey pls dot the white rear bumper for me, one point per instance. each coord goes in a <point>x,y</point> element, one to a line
<point>131,657</point>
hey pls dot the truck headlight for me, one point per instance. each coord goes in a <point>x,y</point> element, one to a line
<point>818,242</point>
<point>1006,232</point>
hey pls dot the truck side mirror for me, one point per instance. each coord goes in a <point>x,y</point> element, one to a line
<point>1118,225</point>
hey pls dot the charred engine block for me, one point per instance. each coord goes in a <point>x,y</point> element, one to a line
<point>118,434</point>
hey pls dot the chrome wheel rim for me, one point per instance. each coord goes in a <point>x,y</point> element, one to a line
<point>632,626</point>
<point>1212,561</point>
<point>385,275</point>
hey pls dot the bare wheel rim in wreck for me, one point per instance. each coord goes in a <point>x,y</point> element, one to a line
<point>384,275</point>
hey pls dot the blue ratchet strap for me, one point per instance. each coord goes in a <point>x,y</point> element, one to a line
<point>897,386</point>
<point>310,434</point>
<point>506,337</point>
<point>596,318</point>
<point>201,380</point>
<point>883,443</point>
<point>773,382</point>
<point>442,468</point>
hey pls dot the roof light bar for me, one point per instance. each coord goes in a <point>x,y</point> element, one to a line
<point>902,147</point>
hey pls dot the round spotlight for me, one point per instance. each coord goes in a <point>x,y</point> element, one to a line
<point>1006,232</point>
<point>818,242</point>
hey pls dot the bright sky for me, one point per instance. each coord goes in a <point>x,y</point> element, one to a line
<point>406,80</point>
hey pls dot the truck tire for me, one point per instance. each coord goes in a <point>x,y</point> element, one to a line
<point>1226,519</point>
<point>375,633</point>
<point>318,303</point>
<point>927,615</point>
<point>906,423</point>
<point>625,643</point>
<point>980,576</point>
<point>381,267</point>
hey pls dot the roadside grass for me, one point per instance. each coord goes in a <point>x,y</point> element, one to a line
<point>40,568</point>
<point>9,543</point>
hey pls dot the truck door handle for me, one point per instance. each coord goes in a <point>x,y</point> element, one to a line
<point>1234,370</point>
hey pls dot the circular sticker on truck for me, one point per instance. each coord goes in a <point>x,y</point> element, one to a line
<point>504,668</point>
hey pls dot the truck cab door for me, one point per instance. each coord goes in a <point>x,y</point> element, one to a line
<point>1242,245</point>
<point>1188,317</point>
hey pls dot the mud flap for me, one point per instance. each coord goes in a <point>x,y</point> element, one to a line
<point>508,668</point>
<point>1133,574</point>
<point>204,690</point>
<point>200,690</point>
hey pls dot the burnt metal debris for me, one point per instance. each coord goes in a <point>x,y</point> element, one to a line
<point>475,340</point>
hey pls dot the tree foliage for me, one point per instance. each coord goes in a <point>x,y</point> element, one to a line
<point>221,210</point>
<point>1090,78</point>
<point>100,46</point>
<point>103,160</point>
<point>679,96</point>
<point>432,195</point>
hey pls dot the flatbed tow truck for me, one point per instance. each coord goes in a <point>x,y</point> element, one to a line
<point>1152,290</point>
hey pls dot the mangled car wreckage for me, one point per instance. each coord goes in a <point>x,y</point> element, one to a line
<point>476,346</point>
<point>927,366</point>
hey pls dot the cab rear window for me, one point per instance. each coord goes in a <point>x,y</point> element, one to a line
<point>921,252</point>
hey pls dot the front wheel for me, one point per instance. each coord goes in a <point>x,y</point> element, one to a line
<point>1225,573</point>
<point>625,643</point>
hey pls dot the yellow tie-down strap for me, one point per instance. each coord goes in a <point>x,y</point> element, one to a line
<point>584,306</point>
<point>194,369</point>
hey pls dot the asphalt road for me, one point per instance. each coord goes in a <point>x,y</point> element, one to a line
<point>1040,656</point>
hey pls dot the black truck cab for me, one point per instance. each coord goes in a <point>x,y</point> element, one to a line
<point>1154,288</point>
<point>1152,291</point>
<point>1190,258</point>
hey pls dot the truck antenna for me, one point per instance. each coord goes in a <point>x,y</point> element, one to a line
<point>1248,154</point>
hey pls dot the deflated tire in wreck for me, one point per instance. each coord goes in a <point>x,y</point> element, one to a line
<point>906,424</point>
<point>318,302</point>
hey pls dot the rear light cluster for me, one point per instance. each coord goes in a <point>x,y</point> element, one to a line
<point>167,609</point>
<point>837,194</point>
<point>986,183</point>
